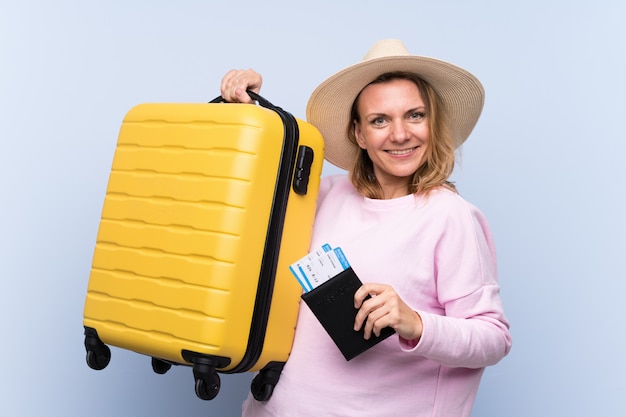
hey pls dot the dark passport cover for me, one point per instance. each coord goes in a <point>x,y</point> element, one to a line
<point>333,305</point>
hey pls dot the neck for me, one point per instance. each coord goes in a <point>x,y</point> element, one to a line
<point>394,192</point>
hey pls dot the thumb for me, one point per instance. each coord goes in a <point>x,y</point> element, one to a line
<point>242,96</point>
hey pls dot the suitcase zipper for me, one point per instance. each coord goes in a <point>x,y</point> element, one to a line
<point>269,263</point>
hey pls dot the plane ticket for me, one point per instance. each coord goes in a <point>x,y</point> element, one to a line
<point>319,266</point>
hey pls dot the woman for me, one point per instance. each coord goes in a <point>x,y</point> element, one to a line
<point>425,255</point>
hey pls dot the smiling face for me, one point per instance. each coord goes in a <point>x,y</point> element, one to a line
<point>394,130</point>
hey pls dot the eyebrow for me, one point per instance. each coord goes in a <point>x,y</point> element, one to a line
<point>412,110</point>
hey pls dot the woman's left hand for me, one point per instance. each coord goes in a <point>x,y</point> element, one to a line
<point>385,308</point>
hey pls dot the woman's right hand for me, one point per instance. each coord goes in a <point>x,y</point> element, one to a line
<point>236,82</point>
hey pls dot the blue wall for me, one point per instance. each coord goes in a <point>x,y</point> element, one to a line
<point>545,164</point>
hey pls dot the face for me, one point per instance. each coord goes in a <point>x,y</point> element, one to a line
<point>394,131</point>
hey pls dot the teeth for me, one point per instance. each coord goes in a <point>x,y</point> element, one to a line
<point>401,152</point>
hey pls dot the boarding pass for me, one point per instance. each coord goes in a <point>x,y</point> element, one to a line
<point>319,266</point>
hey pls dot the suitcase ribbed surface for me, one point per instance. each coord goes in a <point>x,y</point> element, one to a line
<point>183,227</point>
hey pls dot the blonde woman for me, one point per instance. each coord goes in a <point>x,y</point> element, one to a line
<point>424,254</point>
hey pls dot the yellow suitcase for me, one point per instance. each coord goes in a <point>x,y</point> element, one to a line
<point>206,207</point>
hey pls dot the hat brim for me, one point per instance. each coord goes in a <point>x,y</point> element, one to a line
<point>328,109</point>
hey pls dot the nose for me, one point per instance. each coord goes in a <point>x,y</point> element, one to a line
<point>399,132</point>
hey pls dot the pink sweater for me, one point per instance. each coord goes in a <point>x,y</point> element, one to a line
<point>438,253</point>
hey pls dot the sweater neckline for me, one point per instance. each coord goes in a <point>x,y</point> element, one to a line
<point>390,204</point>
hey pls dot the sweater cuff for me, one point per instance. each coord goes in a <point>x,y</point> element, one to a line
<point>406,344</point>
<point>410,345</point>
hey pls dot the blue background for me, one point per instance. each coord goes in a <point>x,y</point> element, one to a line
<point>545,164</point>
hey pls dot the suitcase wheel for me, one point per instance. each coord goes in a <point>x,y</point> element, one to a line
<point>261,391</point>
<point>159,366</point>
<point>263,384</point>
<point>204,372</point>
<point>99,361</point>
<point>207,388</point>
<point>207,379</point>
<point>98,354</point>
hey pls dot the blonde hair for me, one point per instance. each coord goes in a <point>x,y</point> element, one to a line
<point>439,159</point>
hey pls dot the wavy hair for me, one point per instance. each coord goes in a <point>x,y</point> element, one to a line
<point>439,158</point>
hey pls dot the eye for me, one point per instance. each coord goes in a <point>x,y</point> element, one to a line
<point>377,121</point>
<point>417,116</point>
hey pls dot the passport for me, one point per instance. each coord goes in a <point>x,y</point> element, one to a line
<point>332,301</point>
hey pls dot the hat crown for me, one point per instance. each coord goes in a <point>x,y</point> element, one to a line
<point>386,48</point>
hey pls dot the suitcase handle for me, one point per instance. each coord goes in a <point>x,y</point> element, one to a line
<point>254,96</point>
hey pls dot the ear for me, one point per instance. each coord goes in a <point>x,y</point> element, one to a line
<point>358,134</point>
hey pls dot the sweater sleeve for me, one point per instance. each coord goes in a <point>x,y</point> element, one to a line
<point>472,332</point>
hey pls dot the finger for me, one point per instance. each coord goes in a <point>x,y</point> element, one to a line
<point>367,328</point>
<point>241,96</point>
<point>235,83</point>
<point>364,291</point>
<point>376,321</point>
<point>367,315</point>
<point>359,296</point>
<point>226,86</point>
<point>364,310</point>
<point>254,81</point>
<point>360,318</point>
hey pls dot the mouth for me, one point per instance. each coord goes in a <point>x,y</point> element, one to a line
<point>401,152</point>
